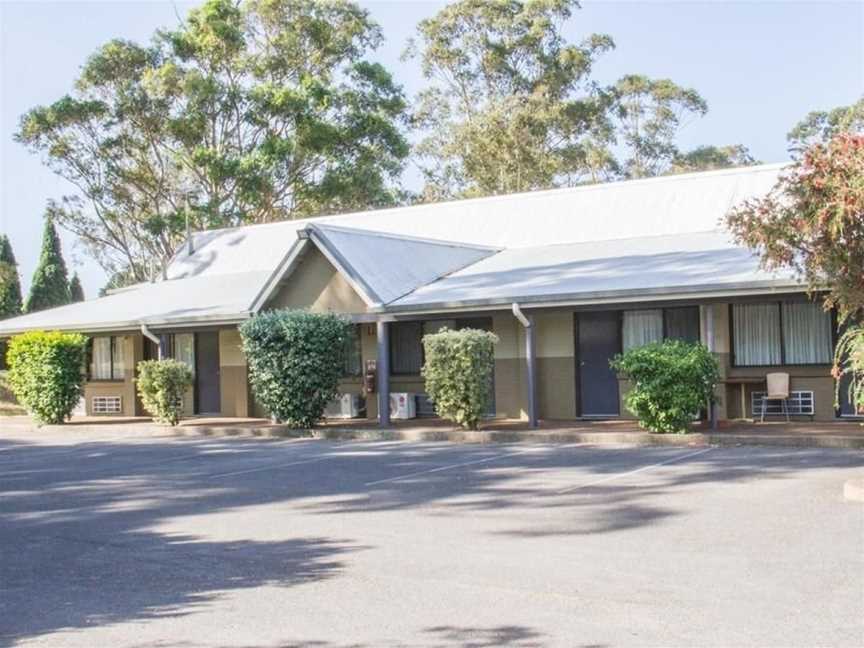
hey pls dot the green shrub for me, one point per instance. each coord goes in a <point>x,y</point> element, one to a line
<point>295,361</point>
<point>458,372</point>
<point>670,382</point>
<point>849,361</point>
<point>46,373</point>
<point>161,386</point>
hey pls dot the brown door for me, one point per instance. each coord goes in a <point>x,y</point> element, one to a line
<point>207,393</point>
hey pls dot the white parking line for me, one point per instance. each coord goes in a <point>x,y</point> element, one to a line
<point>448,467</point>
<point>609,478</point>
<point>267,467</point>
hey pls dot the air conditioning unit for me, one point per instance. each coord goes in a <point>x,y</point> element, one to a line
<point>345,406</point>
<point>106,405</point>
<point>403,405</point>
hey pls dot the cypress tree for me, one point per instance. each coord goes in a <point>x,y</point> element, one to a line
<point>50,285</point>
<point>10,284</point>
<point>76,291</point>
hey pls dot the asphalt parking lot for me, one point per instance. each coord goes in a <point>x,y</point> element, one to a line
<point>156,542</point>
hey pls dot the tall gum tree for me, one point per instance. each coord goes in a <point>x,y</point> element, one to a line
<point>246,113</point>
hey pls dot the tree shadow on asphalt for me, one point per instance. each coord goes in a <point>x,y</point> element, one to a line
<point>80,551</point>
<point>611,507</point>
<point>508,636</point>
<point>81,526</point>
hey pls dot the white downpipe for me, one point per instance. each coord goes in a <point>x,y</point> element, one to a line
<point>517,311</point>
<point>146,332</point>
<point>530,363</point>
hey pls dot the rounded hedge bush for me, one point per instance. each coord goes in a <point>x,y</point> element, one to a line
<point>459,370</point>
<point>46,373</point>
<point>295,360</point>
<point>671,382</point>
<point>162,384</point>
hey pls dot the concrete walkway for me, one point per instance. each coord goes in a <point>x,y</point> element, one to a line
<point>840,434</point>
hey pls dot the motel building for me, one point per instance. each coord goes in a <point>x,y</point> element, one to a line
<point>565,278</point>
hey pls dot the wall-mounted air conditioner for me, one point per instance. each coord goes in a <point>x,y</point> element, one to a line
<point>403,405</point>
<point>106,405</point>
<point>345,406</point>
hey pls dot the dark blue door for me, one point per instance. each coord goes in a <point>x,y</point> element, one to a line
<point>207,392</point>
<point>598,339</point>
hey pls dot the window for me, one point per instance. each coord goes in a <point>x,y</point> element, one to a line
<point>641,327</point>
<point>406,341</point>
<point>682,323</point>
<point>107,361</point>
<point>806,334</point>
<point>183,349</point>
<point>353,362</point>
<point>406,348</point>
<point>781,333</point>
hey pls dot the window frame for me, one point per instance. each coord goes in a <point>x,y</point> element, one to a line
<point>665,323</point>
<point>459,323</point>
<point>832,314</point>
<point>358,340</point>
<point>391,343</point>
<point>113,340</point>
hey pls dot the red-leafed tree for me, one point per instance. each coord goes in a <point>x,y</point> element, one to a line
<point>813,221</point>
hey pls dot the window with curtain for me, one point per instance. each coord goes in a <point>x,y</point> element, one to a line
<point>682,323</point>
<point>107,358</point>
<point>806,333</point>
<point>406,350</point>
<point>353,363</point>
<point>756,333</point>
<point>183,349</point>
<point>641,327</point>
<point>781,333</point>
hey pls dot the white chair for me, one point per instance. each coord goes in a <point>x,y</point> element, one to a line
<point>778,389</point>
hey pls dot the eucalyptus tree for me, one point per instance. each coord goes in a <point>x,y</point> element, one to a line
<point>248,113</point>
<point>510,104</point>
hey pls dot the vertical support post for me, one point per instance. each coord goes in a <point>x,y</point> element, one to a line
<point>163,346</point>
<point>383,368</point>
<point>710,343</point>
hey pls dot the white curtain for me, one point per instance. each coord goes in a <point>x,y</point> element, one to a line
<point>642,327</point>
<point>756,329</point>
<point>806,333</point>
<point>119,345</point>
<point>184,349</point>
<point>100,364</point>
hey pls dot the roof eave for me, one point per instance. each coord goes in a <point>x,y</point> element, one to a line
<point>135,325</point>
<point>741,289</point>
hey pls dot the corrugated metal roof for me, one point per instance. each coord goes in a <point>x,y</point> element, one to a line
<point>388,267</point>
<point>706,261</point>
<point>694,202</point>
<point>199,299</point>
<point>428,254</point>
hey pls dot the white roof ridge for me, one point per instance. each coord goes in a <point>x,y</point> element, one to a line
<point>584,188</point>
<point>357,231</point>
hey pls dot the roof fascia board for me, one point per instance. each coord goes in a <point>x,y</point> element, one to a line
<point>284,269</point>
<point>589,299</point>
<point>367,294</point>
<point>135,326</point>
